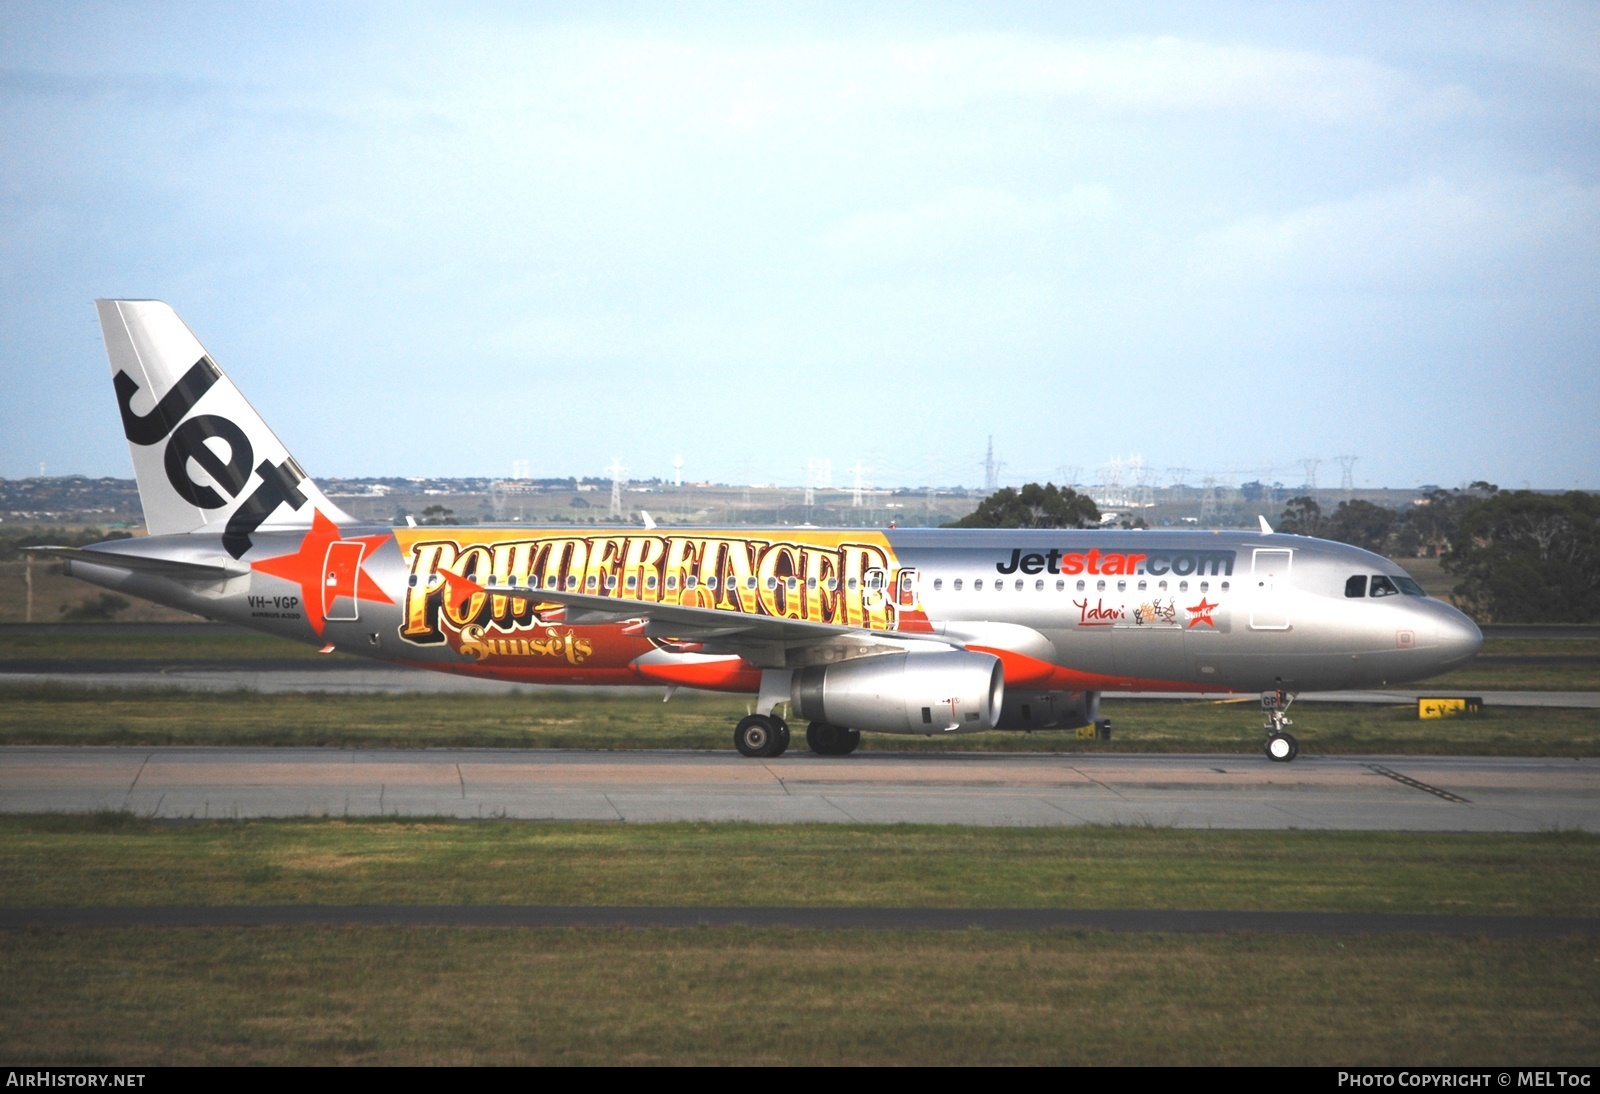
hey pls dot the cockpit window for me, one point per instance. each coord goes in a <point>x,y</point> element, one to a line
<point>1356,587</point>
<point>1409,586</point>
<point>1383,586</point>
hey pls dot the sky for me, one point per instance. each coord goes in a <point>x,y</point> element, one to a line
<point>437,240</point>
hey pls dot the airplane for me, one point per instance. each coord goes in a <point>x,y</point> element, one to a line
<point>916,631</point>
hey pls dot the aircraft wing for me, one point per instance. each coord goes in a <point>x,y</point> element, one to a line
<point>705,625</point>
<point>177,569</point>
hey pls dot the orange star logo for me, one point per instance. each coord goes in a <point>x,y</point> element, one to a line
<point>309,567</point>
<point>1201,613</point>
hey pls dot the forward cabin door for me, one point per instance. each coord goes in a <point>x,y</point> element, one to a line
<point>339,573</point>
<point>1269,606</point>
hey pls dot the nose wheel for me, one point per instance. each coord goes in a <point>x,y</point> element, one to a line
<point>761,735</point>
<point>1281,746</point>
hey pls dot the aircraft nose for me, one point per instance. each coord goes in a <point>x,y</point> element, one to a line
<point>1459,639</point>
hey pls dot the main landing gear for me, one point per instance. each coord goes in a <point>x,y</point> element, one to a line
<point>831,740</point>
<point>1281,747</point>
<point>761,735</point>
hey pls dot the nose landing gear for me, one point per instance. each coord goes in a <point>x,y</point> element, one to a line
<point>1281,747</point>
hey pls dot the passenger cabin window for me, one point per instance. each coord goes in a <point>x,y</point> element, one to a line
<point>1356,587</point>
<point>1038,586</point>
<point>977,584</point>
<point>1019,584</point>
<point>1061,584</point>
<point>1183,586</point>
<point>938,583</point>
<point>956,584</point>
<point>1382,586</point>
<point>1081,585</point>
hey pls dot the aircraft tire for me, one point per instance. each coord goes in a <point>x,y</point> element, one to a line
<point>780,740</point>
<point>1282,747</point>
<point>757,735</point>
<point>831,740</point>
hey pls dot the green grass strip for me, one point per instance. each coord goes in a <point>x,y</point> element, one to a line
<point>423,996</point>
<point>113,859</point>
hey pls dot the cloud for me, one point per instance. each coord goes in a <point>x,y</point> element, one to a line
<point>960,221</point>
<point>1432,234</point>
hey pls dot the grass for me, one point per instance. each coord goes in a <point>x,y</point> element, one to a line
<point>740,995</point>
<point>177,648</point>
<point>422,996</point>
<point>114,859</point>
<point>65,715</point>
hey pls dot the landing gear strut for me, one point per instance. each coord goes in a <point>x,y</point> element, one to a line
<point>1281,747</point>
<point>761,735</point>
<point>831,740</point>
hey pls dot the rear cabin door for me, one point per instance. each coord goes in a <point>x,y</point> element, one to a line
<point>339,572</point>
<point>1269,607</point>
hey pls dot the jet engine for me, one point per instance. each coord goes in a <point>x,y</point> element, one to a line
<point>953,691</point>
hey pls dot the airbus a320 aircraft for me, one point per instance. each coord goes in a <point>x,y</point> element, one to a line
<point>899,631</point>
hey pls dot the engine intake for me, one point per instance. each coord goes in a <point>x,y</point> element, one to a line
<point>953,691</point>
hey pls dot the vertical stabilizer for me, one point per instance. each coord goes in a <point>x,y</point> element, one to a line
<point>204,459</point>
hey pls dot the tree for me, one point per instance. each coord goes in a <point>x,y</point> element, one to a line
<point>95,608</point>
<point>1302,516</point>
<point>1435,520</point>
<point>1361,524</point>
<point>1525,557</point>
<point>1033,506</point>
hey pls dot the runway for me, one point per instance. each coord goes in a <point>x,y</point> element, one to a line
<point>1244,792</point>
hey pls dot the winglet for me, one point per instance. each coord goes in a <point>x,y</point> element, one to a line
<point>649,521</point>
<point>1266,529</point>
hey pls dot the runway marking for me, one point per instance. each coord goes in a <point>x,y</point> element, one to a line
<point>849,815</point>
<point>613,806</point>
<point>1178,921</point>
<point>768,769</point>
<point>136,774</point>
<point>1097,782</point>
<point>463,781</point>
<point>1416,784</point>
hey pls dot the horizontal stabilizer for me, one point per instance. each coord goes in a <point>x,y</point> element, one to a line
<point>143,564</point>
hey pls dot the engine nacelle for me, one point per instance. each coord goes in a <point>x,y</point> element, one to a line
<point>953,691</point>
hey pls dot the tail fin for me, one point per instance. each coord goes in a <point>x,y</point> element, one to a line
<point>204,459</point>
